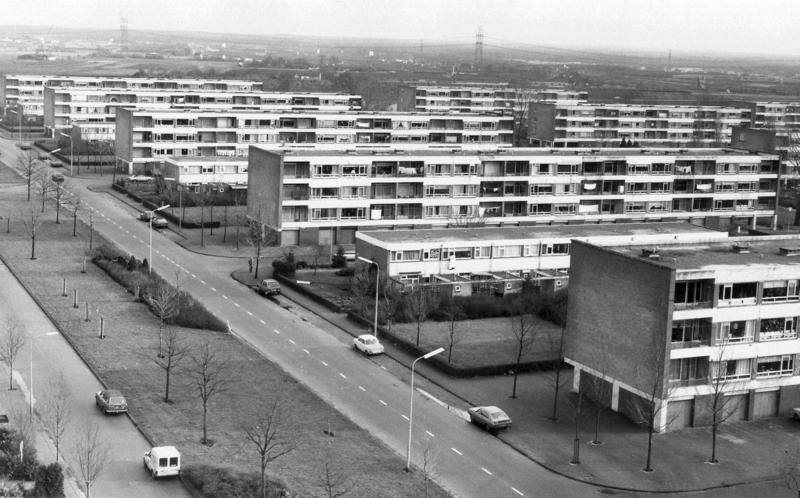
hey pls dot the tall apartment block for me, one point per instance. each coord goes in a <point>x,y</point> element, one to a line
<point>144,137</point>
<point>608,125</point>
<point>482,99</point>
<point>28,89</point>
<point>316,195</point>
<point>782,117</point>
<point>93,110</point>
<point>714,321</point>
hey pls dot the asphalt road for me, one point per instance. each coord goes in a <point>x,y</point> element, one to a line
<point>122,475</point>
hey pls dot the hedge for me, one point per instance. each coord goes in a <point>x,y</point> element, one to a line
<point>225,482</point>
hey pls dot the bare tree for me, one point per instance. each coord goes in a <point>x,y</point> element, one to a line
<point>722,407</point>
<point>75,203</point>
<point>30,169</point>
<point>556,380</point>
<point>174,352</point>
<point>258,235</point>
<point>454,312</point>
<point>522,328</point>
<point>362,285</point>
<point>318,251</point>
<point>430,463</point>
<point>334,481</point>
<point>392,302</point>
<point>57,411</point>
<point>523,98</point>
<point>270,433</point>
<point>164,302</point>
<point>599,390</point>
<point>11,343</point>
<point>419,303</point>
<point>31,221</point>
<point>44,184</point>
<point>790,468</point>
<point>210,379</point>
<point>59,194</point>
<point>91,452</point>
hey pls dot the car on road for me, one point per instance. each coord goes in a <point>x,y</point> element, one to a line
<point>491,418</point>
<point>162,461</point>
<point>111,401</point>
<point>54,163</point>
<point>269,287</point>
<point>145,215</point>
<point>159,222</point>
<point>57,177</point>
<point>25,146</point>
<point>44,156</point>
<point>368,344</point>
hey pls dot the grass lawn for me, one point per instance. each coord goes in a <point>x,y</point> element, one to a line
<point>125,360</point>
<point>479,343</point>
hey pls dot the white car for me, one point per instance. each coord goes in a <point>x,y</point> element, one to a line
<point>162,461</point>
<point>796,413</point>
<point>368,344</point>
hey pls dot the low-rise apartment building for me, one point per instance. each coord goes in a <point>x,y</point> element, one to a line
<point>685,325</point>
<point>93,110</point>
<point>564,124</point>
<point>500,99</point>
<point>318,195</point>
<point>28,89</point>
<point>145,137</point>
<point>496,260</point>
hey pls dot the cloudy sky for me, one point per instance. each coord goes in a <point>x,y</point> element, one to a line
<point>742,26</point>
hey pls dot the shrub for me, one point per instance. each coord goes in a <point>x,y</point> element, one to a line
<point>49,481</point>
<point>282,267</point>
<point>338,260</point>
<point>346,272</point>
<point>132,263</point>
<point>225,482</point>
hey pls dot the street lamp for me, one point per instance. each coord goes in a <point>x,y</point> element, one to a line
<point>377,281</point>
<point>150,260</point>
<point>411,403</point>
<point>19,116</point>
<point>71,151</point>
<point>30,389</point>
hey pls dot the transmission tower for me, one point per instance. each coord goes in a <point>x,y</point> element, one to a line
<point>479,46</point>
<point>123,33</point>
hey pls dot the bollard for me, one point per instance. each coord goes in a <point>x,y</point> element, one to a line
<point>64,287</point>
<point>87,312</point>
<point>74,298</point>
<point>8,225</point>
<point>83,269</point>
<point>102,328</point>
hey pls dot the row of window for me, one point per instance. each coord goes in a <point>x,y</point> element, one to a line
<point>696,370</point>
<point>483,252</point>
<point>700,331</point>
<point>695,292</point>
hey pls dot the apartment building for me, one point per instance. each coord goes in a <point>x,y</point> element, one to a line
<point>705,321</point>
<point>481,99</point>
<point>496,260</point>
<point>145,137</point>
<point>28,89</point>
<point>316,195</point>
<point>93,110</point>
<point>613,125</point>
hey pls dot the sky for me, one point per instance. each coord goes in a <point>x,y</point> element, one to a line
<point>684,26</point>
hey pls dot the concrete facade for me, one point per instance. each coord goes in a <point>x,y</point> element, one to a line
<point>483,99</point>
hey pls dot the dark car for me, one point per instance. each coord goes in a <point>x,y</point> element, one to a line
<point>111,401</point>
<point>490,417</point>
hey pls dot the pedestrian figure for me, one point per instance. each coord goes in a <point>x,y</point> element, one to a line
<point>250,263</point>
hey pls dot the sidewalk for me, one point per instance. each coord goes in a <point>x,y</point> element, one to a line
<point>15,404</point>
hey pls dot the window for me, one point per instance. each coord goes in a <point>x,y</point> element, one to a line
<point>437,191</point>
<point>739,331</point>
<point>691,331</point>
<point>568,169</point>
<point>530,250</point>
<point>437,211</point>
<point>738,293</point>
<point>458,253</point>
<point>541,189</point>
<point>438,170</point>
<point>779,290</point>
<point>688,371</point>
<point>777,328</point>
<point>173,461</point>
<point>354,170</point>
<point>692,292</point>
<point>431,254</point>
<point>483,252</point>
<point>507,251</point>
<point>357,213</point>
<point>732,369</point>
<point>774,366</point>
<point>555,249</point>
<point>410,255</point>
<point>325,170</point>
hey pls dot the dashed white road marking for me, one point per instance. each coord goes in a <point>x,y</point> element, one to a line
<point>292,341</point>
<point>224,296</point>
<point>362,388</point>
<point>383,402</point>
<point>457,452</point>
<point>263,322</point>
<point>276,331</point>
<point>203,282</point>
<point>323,363</point>
<point>213,289</point>
<point>429,433</point>
<point>306,351</point>
<point>249,313</point>
<point>236,304</point>
<point>342,375</point>
<point>404,417</point>
<point>486,470</point>
<point>194,276</point>
<point>383,367</point>
<point>517,491</point>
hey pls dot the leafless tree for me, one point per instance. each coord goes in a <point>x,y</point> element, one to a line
<point>91,452</point>
<point>555,378</point>
<point>391,304</point>
<point>334,481</point>
<point>31,221</point>
<point>430,463</point>
<point>270,432</point>
<point>174,352</point>
<point>44,183</point>
<point>57,411</point>
<point>30,169</point>
<point>59,194</point>
<point>722,406</point>
<point>790,468</point>
<point>11,343</point>
<point>210,378</point>
<point>164,302</point>
<point>258,236</point>
<point>523,330</point>
<point>419,303</point>
<point>318,251</point>
<point>454,312</point>
<point>598,390</point>
<point>362,285</point>
<point>75,202</point>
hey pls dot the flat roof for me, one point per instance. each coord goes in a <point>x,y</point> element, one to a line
<point>456,235</point>
<point>499,153</point>
<point>761,251</point>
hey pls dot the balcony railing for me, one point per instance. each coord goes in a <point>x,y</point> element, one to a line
<point>773,373</point>
<point>777,335</point>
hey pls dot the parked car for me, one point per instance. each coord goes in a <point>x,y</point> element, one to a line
<point>57,177</point>
<point>25,146</point>
<point>111,401</point>
<point>145,215</point>
<point>491,418</point>
<point>162,461</point>
<point>44,156</point>
<point>159,222</point>
<point>56,164</point>
<point>368,344</point>
<point>796,413</point>
<point>269,287</point>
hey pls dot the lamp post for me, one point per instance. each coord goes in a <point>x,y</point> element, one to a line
<point>71,151</point>
<point>411,403</point>
<point>30,397</point>
<point>19,116</point>
<point>377,282</point>
<point>150,260</point>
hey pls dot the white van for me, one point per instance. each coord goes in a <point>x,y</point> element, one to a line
<point>162,461</point>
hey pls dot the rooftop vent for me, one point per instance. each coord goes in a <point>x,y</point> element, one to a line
<point>651,253</point>
<point>741,248</point>
<point>789,251</point>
